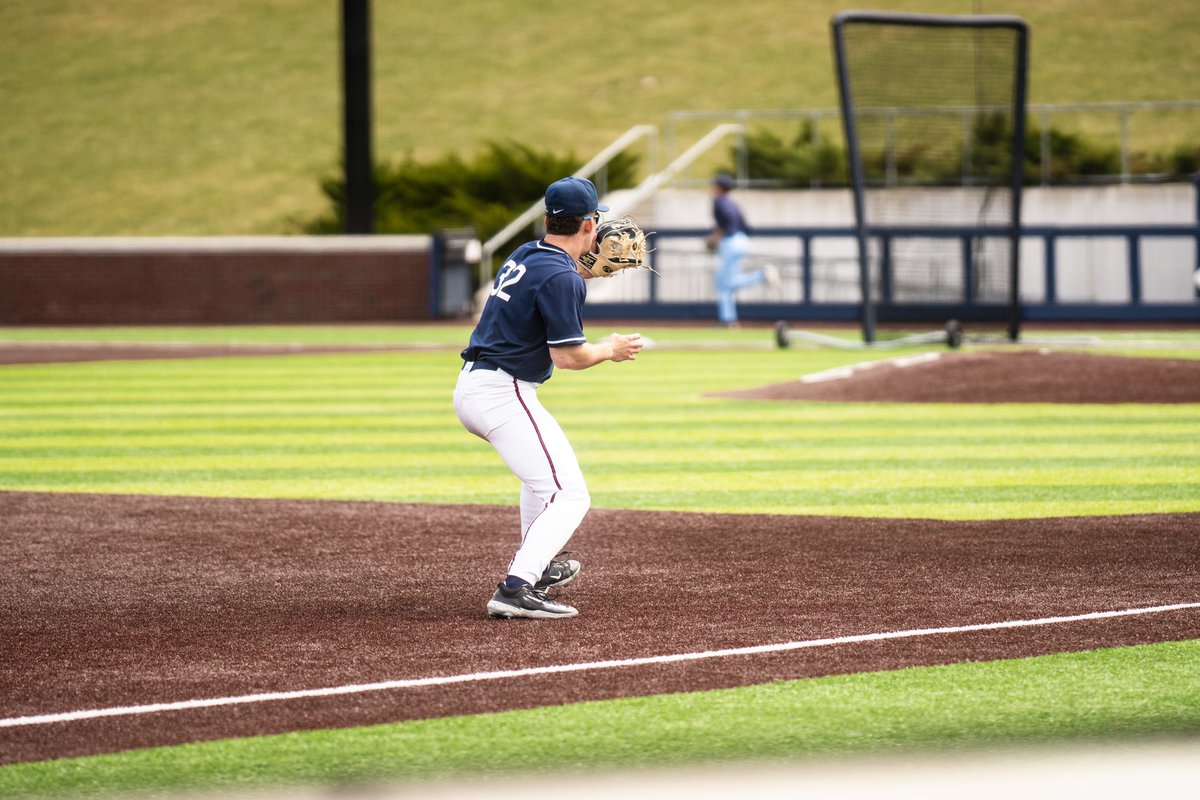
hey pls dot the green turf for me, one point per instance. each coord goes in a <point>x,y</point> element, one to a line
<point>380,427</point>
<point>1102,695</point>
<point>148,118</point>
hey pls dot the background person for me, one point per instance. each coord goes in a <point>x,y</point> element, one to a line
<point>730,239</point>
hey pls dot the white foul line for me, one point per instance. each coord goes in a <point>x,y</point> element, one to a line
<point>411,683</point>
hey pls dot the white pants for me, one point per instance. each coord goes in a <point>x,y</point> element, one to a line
<point>730,280</point>
<point>506,412</point>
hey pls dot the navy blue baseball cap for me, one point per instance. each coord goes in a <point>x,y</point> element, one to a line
<point>572,197</point>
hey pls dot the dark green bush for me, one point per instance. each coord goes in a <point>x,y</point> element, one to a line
<point>485,194</point>
<point>1072,158</point>
<point>1184,160</point>
<point>807,161</point>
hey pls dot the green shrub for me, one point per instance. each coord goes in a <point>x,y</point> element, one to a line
<point>1072,157</point>
<point>485,194</point>
<point>1184,159</point>
<point>808,161</point>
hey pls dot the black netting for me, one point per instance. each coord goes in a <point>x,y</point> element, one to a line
<point>934,108</point>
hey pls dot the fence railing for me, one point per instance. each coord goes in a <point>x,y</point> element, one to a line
<point>801,297</point>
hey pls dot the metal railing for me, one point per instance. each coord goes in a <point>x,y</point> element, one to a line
<point>659,179</point>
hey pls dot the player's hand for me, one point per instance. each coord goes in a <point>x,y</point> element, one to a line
<point>625,347</point>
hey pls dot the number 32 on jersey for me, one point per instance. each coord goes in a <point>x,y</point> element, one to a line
<point>510,274</point>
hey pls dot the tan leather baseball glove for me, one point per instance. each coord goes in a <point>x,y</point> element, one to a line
<point>620,244</point>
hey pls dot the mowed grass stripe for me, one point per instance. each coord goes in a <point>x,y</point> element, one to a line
<point>722,491</point>
<point>1132,457</point>
<point>1111,452</point>
<point>801,422</point>
<point>829,474</point>
<point>1104,453</point>
<point>232,424</point>
<point>381,427</point>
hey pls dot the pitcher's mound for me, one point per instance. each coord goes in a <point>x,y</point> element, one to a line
<point>1027,376</point>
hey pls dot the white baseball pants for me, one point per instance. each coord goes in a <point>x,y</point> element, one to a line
<point>506,412</point>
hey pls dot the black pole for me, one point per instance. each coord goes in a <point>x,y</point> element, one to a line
<point>858,181</point>
<point>1196,274</point>
<point>1020,93</point>
<point>356,100</point>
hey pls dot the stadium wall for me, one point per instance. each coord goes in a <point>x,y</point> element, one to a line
<point>234,280</point>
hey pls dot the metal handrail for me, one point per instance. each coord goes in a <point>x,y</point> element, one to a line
<point>536,210</point>
<point>656,181</point>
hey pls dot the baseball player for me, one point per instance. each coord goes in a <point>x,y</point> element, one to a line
<point>533,322</point>
<point>729,238</point>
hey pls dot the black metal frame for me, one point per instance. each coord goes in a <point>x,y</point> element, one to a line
<point>863,228</point>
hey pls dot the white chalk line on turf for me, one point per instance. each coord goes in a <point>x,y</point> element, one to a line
<point>444,680</point>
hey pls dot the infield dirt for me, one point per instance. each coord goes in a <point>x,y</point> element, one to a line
<point>1016,376</point>
<point>128,600</point>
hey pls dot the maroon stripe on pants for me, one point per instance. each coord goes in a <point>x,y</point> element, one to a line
<point>525,532</point>
<point>532,421</point>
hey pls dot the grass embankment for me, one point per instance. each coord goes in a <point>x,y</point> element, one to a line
<point>144,118</point>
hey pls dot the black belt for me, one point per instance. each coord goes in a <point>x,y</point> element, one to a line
<point>471,366</point>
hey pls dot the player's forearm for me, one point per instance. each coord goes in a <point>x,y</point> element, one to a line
<point>617,347</point>
<point>581,356</point>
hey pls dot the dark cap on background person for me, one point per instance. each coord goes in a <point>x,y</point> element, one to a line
<point>723,180</point>
<point>572,197</point>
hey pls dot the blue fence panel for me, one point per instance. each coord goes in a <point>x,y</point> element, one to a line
<point>657,306</point>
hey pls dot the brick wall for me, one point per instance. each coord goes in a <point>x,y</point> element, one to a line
<point>252,280</point>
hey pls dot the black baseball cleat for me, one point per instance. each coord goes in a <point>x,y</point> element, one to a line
<point>558,573</point>
<point>526,602</point>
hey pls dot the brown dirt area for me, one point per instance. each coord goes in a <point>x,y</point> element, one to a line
<point>70,352</point>
<point>1022,376</point>
<point>112,601</point>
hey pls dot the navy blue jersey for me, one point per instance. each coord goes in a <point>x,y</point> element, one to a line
<point>536,303</point>
<point>728,216</point>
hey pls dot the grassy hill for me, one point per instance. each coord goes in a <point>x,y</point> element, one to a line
<point>136,117</point>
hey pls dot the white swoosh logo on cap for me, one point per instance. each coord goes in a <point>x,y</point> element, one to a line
<point>556,211</point>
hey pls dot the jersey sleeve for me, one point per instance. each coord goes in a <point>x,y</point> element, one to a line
<point>560,303</point>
